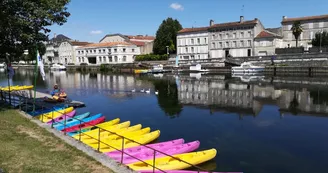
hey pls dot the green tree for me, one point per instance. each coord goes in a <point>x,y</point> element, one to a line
<point>166,35</point>
<point>25,22</point>
<point>297,30</point>
<point>32,51</point>
<point>320,35</point>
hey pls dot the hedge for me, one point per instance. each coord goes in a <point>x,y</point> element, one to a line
<point>151,57</point>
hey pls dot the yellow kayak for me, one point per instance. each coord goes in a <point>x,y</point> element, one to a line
<point>108,135</point>
<point>143,139</point>
<point>93,134</point>
<point>169,163</point>
<point>54,114</point>
<point>113,137</point>
<point>16,88</point>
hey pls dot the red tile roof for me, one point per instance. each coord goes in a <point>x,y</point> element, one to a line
<point>185,30</point>
<point>141,37</point>
<point>267,34</point>
<point>234,24</point>
<point>109,44</point>
<point>138,43</point>
<point>79,43</point>
<point>305,18</point>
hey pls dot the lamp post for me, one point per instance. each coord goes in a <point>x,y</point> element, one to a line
<point>321,40</point>
<point>167,50</point>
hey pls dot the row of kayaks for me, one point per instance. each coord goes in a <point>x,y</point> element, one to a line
<point>112,136</point>
<point>16,88</point>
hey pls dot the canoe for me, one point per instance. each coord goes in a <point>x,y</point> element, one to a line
<point>169,163</point>
<point>16,88</point>
<point>112,134</point>
<point>63,117</point>
<point>94,133</point>
<point>75,122</point>
<point>39,112</point>
<point>143,139</point>
<point>95,144</point>
<point>182,171</point>
<point>86,124</point>
<point>54,114</point>
<point>79,133</point>
<point>68,120</point>
<point>135,150</point>
<point>177,149</point>
<point>141,71</point>
<point>129,135</point>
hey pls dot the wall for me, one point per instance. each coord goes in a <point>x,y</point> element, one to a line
<point>114,38</point>
<point>192,45</point>
<point>147,48</point>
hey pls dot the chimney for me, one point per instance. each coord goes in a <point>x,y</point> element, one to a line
<point>241,19</point>
<point>211,22</point>
<point>284,17</point>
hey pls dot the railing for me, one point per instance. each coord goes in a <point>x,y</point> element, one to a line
<point>24,100</point>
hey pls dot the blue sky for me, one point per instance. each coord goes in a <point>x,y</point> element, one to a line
<point>90,20</point>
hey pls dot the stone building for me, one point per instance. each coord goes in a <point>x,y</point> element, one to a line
<point>66,51</point>
<point>52,55</point>
<point>310,24</point>
<point>266,43</point>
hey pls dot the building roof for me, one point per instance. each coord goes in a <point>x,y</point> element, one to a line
<point>277,31</point>
<point>141,37</point>
<point>186,30</point>
<point>138,43</point>
<point>267,34</point>
<point>117,34</point>
<point>234,24</point>
<point>285,20</point>
<point>109,44</point>
<point>79,43</point>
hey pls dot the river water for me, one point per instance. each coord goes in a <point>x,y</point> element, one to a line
<point>258,124</point>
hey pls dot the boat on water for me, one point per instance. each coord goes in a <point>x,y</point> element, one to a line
<point>247,67</point>
<point>141,71</point>
<point>157,69</point>
<point>57,67</point>
<point>197,68</point>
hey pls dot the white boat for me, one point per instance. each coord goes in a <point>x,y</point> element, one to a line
<point>247,67</point>
<point>157,69</point>
<point>58,67</point>
<point>197,68</point>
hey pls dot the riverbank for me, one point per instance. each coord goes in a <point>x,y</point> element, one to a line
<point>26,147</point>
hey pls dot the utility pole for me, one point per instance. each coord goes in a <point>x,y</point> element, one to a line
<point>321,40</point>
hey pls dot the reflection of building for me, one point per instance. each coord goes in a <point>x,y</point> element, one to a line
<point>107,53</point>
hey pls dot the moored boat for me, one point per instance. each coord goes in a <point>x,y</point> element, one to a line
<point>86,124</point>
<point>63,117</point>
<point>247,67</point>
<point>76,122</point>
<point>68,120</point>
<point>54,114</point>
<point>57,67</point>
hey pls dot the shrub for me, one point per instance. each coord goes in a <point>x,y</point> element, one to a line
<point>151,57</point>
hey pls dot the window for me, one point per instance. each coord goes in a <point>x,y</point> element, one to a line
<point>234,44</point>
<point>234,35</point>
<point>82,59</point>
<point>198,56</point>
<point>220,44</point>
<point>132,50</point>
<point>241,34</point>
<point>205,41</point>
<point>82,51</point>
<point>109,50</point>
<point>192,49</point>
<point>227,44</point>
<point>220,36</point>
<point>249,43</point>
<point>213,45</point>
<point>213,36</point>
<point>115,58</point>
<point>186,50</point>
<point>124,58</point>
<point>198,40</point>
<point>115,50</point>
<point>79,59</point>
<point>192,57</point>
<point>227,35</point>
<point>78,52</point>
<point>249,33</point>
<point>94,51</point>
<point>192,41</point>
<point>123,49</point>
<point>99,59</point>
<point>86,51</point>
<point>104,50</point>
<point>99,50</point>
<point>104,59</point>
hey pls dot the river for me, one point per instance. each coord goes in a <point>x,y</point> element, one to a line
<point>258,124</point>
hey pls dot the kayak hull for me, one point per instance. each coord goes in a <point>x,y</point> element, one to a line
<point>54,114</point>
<point>63,117</point>
<point>83,125</point>
<point>76,122</point>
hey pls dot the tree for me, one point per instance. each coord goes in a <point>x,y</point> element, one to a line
<point>32,51</point>
<point>24,23</point>
<point>320,35</point>
<point>166,35</point>
<point>297,30</point>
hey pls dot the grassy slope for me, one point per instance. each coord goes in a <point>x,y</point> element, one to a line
<point>26,147</point>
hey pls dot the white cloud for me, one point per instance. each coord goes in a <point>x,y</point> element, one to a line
<point>177,6</point>
<point>96,32</point>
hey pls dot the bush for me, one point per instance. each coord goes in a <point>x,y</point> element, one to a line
<point>151,57</point>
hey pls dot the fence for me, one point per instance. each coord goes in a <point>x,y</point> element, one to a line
<point>20,99</point>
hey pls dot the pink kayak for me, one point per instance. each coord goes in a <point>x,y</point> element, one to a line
<point>171,150</point>
<point>183,171</point>
<point>136,150</point>
<point>60,118</point>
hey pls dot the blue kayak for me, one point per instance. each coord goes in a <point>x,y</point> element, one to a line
<point>78,132</point>
<point>44,111</point>
<point>68,120</point>
<point>77,122</point>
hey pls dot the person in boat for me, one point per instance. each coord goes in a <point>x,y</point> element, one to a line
<point>55,91</point>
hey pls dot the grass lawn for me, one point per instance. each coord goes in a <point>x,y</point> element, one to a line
<point>27,148</point>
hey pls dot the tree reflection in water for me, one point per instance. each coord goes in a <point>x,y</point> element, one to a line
<point>168,97</point>
<point>293,105</point>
